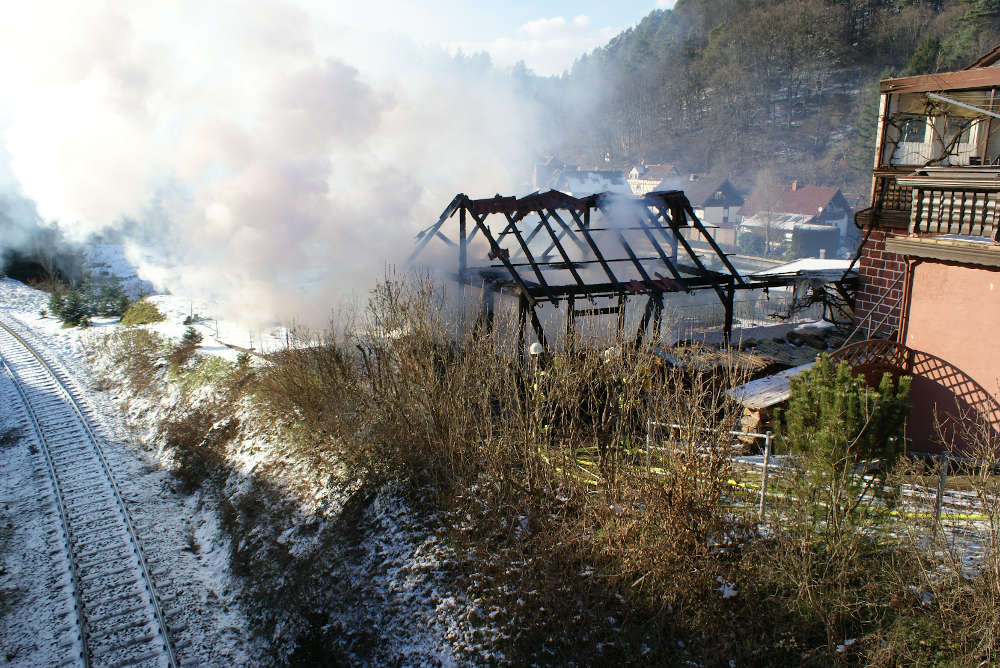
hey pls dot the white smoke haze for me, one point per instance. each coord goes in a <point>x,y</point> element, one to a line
<point>278,156</point>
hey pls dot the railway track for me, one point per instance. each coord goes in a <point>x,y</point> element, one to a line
<point>117,618</point>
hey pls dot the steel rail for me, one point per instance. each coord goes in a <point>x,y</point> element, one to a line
<point>57,493</point>
<point>126,516</point>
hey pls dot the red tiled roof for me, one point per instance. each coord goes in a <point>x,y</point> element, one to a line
<point>804,200</point>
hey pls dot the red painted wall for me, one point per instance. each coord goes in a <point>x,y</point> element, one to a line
<point>881,273</point>
<point>954,323</point>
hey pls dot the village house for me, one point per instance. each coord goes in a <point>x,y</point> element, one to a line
<point>588,181</point>
<point>812,221</point>
<point>930,261</point>
<point>554,174</point>
<point>716,202</point>
<point>644,178</point>
<point>545,172</point>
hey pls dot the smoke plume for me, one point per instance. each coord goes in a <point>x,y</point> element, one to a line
<point>276,156</point>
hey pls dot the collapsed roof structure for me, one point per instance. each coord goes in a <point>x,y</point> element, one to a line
<point>604,248</point>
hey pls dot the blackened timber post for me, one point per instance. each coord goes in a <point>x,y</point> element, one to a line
<point>463,246</point>
<point>487,306</point>
<point>647,315</point>
<point>658,315</point>
<point>727,333</point>
<point>570,323</point>
<point>622,301</point>
<point>522,315</point>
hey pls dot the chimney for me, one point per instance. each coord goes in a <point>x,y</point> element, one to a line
<point>795,185</point>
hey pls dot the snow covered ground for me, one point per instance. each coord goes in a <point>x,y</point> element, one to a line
<point>216,333</point>
<point>388,594</point>
<point>187,550</point>
<point>33,571</point>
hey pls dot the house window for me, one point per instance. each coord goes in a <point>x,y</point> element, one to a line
<point>960,140</point>
<point>911,144</point>
<point>913,130</point>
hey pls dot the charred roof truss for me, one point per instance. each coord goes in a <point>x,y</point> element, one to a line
<point>557,248</point>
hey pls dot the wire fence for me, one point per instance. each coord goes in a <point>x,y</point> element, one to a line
<point>936,503</point>
<point>752,309</point>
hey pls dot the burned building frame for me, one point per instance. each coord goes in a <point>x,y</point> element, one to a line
<point>557,248</point>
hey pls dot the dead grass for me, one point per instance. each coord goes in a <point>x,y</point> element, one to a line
<point>137,352</point>
<point>596,552</point>
<point>198,441</point>
<point>499,441</point>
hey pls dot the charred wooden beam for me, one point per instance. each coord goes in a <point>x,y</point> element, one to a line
<point>584,229</point>
<point>499,253</point>
<point>531,260</point>
<point>426,235</point>
<point>559,247</point>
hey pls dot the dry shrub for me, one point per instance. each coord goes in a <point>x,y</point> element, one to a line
<point>952,589</point>
<point>198,441</point>
<point>180,355</point>
<point>316,386</point>
<point>541,463</point>
<point>136,352</point>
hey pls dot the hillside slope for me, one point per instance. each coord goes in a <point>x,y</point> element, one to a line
<point>731,86</point>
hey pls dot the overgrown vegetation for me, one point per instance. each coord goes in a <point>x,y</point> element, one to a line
<point>142,312</point>
<point>596,547</point>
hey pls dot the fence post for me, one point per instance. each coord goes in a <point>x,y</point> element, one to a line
<point>649,445</point>
<point>942,477</point>
<point>763,481</point>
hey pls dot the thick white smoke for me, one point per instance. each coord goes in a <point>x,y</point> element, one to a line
<point>275,155</point>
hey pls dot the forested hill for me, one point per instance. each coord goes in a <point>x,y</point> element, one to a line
<point>731,86</point>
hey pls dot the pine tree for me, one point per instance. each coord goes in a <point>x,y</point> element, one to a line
<point>836,421</point>
<point>56,303</point>
<point>74,308</point>
<point>191,338</point>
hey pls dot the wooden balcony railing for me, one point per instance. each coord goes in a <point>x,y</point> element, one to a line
<point>939,200</point>
<point>889,355</point>
<point>889,194</point>
<point>891,203</point>
<point>949,210</point>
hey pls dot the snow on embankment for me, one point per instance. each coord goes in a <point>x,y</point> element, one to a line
<point>182,537</point>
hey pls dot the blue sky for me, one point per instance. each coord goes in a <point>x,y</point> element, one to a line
<point>547,36</point>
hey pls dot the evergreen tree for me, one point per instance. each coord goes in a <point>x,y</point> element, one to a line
<point>56,303</point>
<point>835,422</point>
<point>74,307</point>
<point>192,337</point>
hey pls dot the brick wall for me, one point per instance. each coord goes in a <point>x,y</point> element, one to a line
<point>881,286</point>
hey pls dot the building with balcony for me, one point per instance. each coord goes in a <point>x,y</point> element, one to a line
<point>930,260</point>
